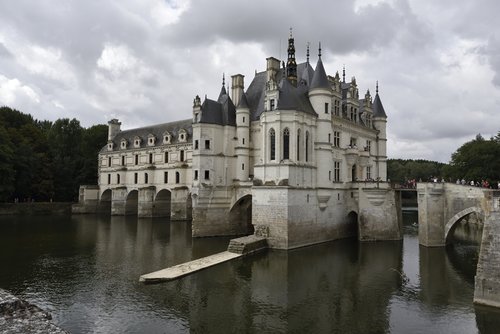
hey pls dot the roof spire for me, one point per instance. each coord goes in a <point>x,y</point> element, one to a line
<point>307,53</point>
<point>343,74</point>
<point>376,88</point>
<point>319,50</point>
<point>291,65</point>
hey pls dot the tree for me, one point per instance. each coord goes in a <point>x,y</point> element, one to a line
<point>478,159</point>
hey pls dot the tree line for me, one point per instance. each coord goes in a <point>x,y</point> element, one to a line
<point>43,160</point>
<point>476,160</point>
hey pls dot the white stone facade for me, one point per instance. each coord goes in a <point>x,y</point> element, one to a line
<point>289,156</point>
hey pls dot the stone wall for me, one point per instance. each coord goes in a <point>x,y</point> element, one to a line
<point>35,208</point>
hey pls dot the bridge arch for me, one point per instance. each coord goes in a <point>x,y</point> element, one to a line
<point>132,203</point>
<point>241,213</point>
<point>352,224</point>
<point>105,201</point>
<point>450,225</point>
<point>162,203</point>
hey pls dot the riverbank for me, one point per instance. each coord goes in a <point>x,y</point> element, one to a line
<point>36,208</point>
<point>20,316</point>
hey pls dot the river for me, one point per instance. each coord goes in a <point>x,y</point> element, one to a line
<point>85,271</point>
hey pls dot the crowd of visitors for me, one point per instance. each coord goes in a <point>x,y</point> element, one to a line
<point>412,183</point>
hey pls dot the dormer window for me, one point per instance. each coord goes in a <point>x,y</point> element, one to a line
<point>182,136</point>
<point>151,140</point>
<point>110,146</point>
<point>166,137</point>
<point>137,142</point>
<point>123,144</point>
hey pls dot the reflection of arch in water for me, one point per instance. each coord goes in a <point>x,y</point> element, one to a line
<point>132,203</point>
<point>105,201</point>
<point>352,229</point>
<point>241,213</point>
<point>453,222</point>
<point>162,203</point>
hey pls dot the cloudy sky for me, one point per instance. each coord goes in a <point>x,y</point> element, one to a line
<point>143,61</point>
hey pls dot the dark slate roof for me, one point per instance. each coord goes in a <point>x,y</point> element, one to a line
<point>378,108</point>
<point>294,98</point>
<point>320,79</point>
<point>221,112</point>
<point>256,92</point>
<point>307,75</point>
<point>243,101</point>
<point>157,130</point>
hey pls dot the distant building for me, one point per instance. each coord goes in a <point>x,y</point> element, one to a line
<point>297,157</point>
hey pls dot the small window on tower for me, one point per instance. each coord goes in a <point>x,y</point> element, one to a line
<point>207,144</point>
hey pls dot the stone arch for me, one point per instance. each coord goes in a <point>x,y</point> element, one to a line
<point>450,225</point>
<point>241,213</point>
<point>162,203</point>
<point>352,225</point>
<point>132,203</point>
<point>105,201</point>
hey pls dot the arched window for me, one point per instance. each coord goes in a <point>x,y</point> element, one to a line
<point>286,144</point>
<point>298,145</point>
<point>307,146</point>
<point>272,142</point>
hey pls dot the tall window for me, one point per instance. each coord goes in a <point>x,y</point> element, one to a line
<point>196,144</point>
<point>123,160</point>
<point>272,141</point>
<point>109,161</point>
<point>109,178</point>
<point>196,174</point>
<point>135,178</point>
<point>207,144</point>
<point>117,178</point>
<point>336,138</point>
<point>307,146</point>
<point>271,104</point>
<point>298,145</point>
<point>150,158</point>
<point>166,157</point>
<point>368,145</point>
<point>165,177</point>
<point>136,159</point>
<point>336,171</point>
<point>329,137</point>
<point>326,108</point>
<point>177,177</point>
<point>368,172</point>
<point>182,155</point>
<point>286,144</point>
<point>207,175</point>
<point>146,178</point>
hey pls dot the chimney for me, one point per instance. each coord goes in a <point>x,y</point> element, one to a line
<point>237,88</point>
<point>113,128</point>
<point>273,66</point>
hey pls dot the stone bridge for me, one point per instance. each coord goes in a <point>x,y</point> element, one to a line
<point>441,206</point>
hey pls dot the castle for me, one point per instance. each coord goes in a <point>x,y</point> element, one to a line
<point>297,157</point>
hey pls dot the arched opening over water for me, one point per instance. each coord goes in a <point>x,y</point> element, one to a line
<point>162,204</point>
<point>105,201</point>
<point>241,213</point>
<point>352,225</point>
<point>466,226</point>
<point>131,204</point>
<point>189,207</point>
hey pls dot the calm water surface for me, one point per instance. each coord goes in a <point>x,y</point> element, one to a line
<point>85,271</point>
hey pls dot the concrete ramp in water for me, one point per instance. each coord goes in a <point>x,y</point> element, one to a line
<point>237,248</point>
